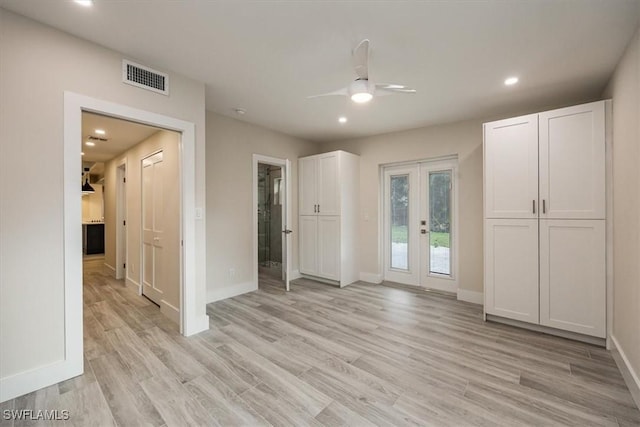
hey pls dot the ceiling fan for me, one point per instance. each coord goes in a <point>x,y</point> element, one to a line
<point>362,89</point>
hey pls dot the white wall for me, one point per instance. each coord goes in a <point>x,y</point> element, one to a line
<point>230,146</point>
<point>624,89</point>
<point>463,139</point>
<point>37,64</point>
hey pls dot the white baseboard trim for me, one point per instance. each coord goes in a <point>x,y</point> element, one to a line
<point>631,377</point>
<point>133,285</point>
<point>25,382</point>
<point>170,311</point>
<point>110,269</point>
<point>371,277</point>
<point>201,325</point>
<point>214,295</point>
<point>471,296</point>
<point>295,274</point>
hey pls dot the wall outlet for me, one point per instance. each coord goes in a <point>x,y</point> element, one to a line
<point>232,273</point>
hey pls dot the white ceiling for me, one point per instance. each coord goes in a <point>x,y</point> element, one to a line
<point>268,56</point>
<point>120,134</point>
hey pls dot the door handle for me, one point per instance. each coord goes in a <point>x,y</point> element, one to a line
<point>287,231</point>
<point>423,231</point>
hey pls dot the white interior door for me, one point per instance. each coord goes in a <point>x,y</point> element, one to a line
<point>437,221</point>
<point>286,223</point>
<point>121,209</point>
<point>419,224</point>
<point>153,227</point>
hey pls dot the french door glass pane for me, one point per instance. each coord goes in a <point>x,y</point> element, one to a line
<point>440,222</point>
<point>399,194</point>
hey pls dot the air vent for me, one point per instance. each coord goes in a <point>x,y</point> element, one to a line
<point>145,77</point>
<point>96,138</point>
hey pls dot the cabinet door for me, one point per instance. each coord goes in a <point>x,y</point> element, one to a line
<point>511,268</point>
<point>329,247</point>
<point>308,188</point>
<point>328,185</point>
<point>511,168</point>
<point>572,275</point>
<point>572,162</point>
<point>308,244</point>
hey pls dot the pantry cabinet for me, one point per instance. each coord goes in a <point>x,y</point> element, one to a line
<point>328,207</point>
<point>544,242</point>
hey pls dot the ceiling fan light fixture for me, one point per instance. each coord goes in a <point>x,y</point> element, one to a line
<point>361,97</point>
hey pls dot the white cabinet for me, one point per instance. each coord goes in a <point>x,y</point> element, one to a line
<point>572,162</point>
<point>511,267</point>
<point>329,187</point>
<point>572,275</point>
<point>544,192</point>
<point>319,191</point>
<point>511,168</point>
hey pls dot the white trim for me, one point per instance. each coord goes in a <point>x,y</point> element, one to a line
<point>471,296</point>
<point>35,379</point>
<point>214,295</point>
<point>110,270</point>
<point>133,285</point>
<point>608,123</point>
<point>170,311</point>
<point>121,216</point>
<point>375,278</point>
<point>631,377</point>
<point>295,274</point>
<point>285,164</point>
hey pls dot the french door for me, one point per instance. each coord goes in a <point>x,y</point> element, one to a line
<point>419,224</point>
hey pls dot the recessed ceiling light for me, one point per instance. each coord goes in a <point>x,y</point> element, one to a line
<point>361,97</point>
<point>511,81</point>
<point>85,3</point>
<point>89,143</point>
<point>82,153</point>
<point>342,119</point>
<point>240,111</point>
<point>100,131</point>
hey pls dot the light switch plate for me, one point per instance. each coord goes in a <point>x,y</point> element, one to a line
<point>198,213</point>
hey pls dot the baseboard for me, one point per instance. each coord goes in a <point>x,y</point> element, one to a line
<point>214,295</point>
<point>371,277</point>
<point>198,325</point>
<point>25,382</point>
<point>170,311</point>
<point>133,285</point>
<point>110,269</point>
<point>629,374</point>
<point>471,296</point>
<point>601,342</point>
<point>295,274</point>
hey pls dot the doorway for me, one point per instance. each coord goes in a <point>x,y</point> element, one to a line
<point>271,245</point>
<point>271,218</point>
<point>420,224</point>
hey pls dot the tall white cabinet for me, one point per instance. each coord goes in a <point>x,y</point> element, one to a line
<point>328,198</point>
<point>544,227</point>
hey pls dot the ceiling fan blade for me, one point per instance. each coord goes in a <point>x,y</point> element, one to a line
<point>361,59</point>
<point>344,91</point>
<point>388,89</point>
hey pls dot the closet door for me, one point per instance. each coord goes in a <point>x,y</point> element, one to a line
<point>511,168</point>
<point>572,162</point>
<point>328,185</point>
<point>572,275</point>
<point>307,191</point>
<point>511,268</point>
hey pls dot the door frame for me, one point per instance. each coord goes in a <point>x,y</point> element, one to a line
<point>445,162</point>
<point>285,164</point>
<point>121,218</point>
<point>190,322</point>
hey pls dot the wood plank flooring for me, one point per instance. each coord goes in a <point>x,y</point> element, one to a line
<point>318,355</point>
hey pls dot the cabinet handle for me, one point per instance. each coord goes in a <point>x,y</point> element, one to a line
<point>534,206</point>
<point>315,208</point>
<point>318,208</point>
<point>544,206</point>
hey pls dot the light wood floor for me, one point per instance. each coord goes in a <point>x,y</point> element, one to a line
<point>319,355</point>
